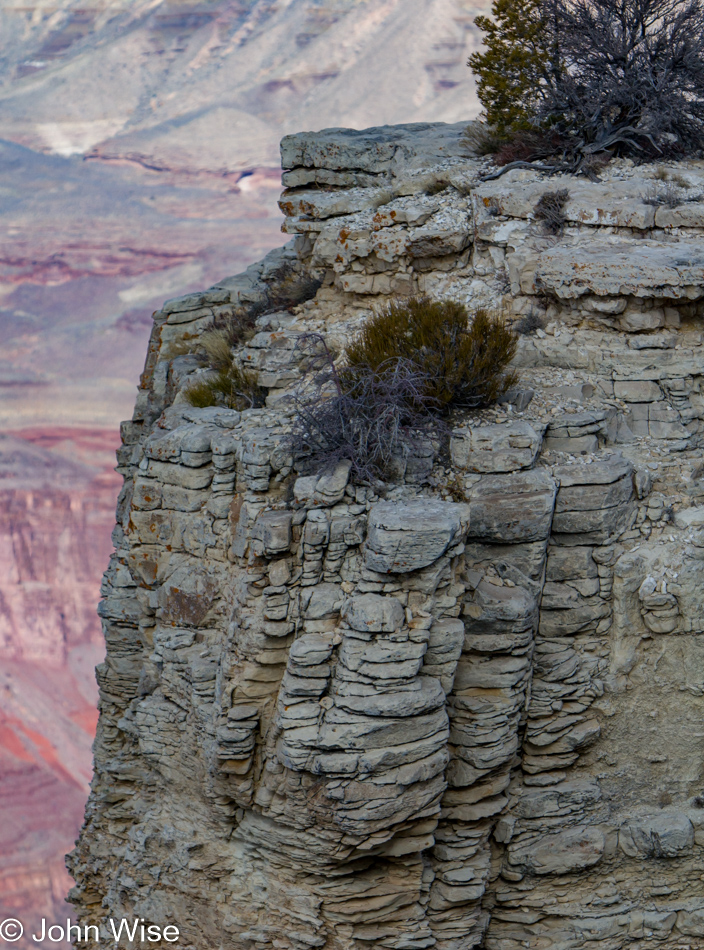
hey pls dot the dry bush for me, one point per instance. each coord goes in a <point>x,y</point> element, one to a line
<point>410,365</point>
<point>239,327</point>
<point>528,324</point>
<point>437,187</point>
<point>597,76</point>
<point>369,417</point>
<point>668,194</point>
<point>465,364</point>
<point>290,289</point>
<point>479,139</point>
<point>284,289</point>
<point>549,210</point>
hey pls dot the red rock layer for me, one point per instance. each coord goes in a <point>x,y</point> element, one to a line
<point>57,502</point>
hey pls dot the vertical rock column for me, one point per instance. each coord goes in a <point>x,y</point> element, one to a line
<point>554,824</point>
<point>488,699</point>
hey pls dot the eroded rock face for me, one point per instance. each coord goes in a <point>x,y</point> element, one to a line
<point>462,714</point>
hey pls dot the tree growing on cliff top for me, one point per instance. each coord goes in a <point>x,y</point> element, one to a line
<point>625,76</point>
<point>512,68</point>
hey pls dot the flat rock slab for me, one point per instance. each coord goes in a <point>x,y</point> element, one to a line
<point>613,268</point>
<point>570,850</point>
<point>602,204</point>
<point>376,150</point>
<point>495,448</point>
<point>513,508</point>
<point>604,472</point>
<point>406,536</point>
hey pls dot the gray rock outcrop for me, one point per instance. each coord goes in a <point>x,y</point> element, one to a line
<point>466,713</point>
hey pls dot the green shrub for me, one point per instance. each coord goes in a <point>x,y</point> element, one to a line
<point>227,384</point>
<point>463,364</point>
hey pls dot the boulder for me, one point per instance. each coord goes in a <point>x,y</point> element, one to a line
<point>407,536</point>
<point>570,850</point>
<point>495,448</point>
<point>371,613</point>
<point>271,533</point>
<point>512,508</point>
<point>656,836</point>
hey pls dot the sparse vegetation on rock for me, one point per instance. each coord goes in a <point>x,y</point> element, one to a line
<point>410,365</point>
<point>464,361</point>
<point>563,80</point>
<point>226,383</point>
<point>368,416</point>
<point>549,210</point>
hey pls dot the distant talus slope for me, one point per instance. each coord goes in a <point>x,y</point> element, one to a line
<point>462,712</point>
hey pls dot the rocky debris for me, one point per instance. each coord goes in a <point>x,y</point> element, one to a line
<point>459,709</point>
<point>659,608</point>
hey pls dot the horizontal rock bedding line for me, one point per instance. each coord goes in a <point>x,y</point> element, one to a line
<point>459,710</point>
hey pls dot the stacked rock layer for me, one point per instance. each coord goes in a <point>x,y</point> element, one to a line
<point>464,711</point>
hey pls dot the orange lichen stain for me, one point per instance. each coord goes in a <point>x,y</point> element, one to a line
<point>339,259</point>
<point>344,234</point>
<point>392,214</point>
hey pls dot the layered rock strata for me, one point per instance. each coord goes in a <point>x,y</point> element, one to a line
<point>465,711</point>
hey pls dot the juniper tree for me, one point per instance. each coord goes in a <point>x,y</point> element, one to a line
<point>633,76</point>
<point>624,75</point>
<point>517,60</point>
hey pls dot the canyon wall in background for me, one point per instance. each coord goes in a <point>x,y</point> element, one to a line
<point>139,160</point>
<point>57,493</point>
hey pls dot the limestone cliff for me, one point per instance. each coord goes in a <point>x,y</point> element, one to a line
<point>467,713</point>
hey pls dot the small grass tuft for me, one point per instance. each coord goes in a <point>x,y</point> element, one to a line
<point>528,324</point>
<point>227,384</point>
<point>669,195</point>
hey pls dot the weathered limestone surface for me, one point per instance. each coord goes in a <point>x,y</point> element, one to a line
<point>465,711</point>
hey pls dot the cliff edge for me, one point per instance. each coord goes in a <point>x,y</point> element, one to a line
<point>466,712</point>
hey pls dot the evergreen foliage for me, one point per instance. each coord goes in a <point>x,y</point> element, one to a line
<point>511,69</point>
<point>464,363</point>
<point>578,77</point>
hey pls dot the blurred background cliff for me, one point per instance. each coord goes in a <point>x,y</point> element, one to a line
<point>138,161</point>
